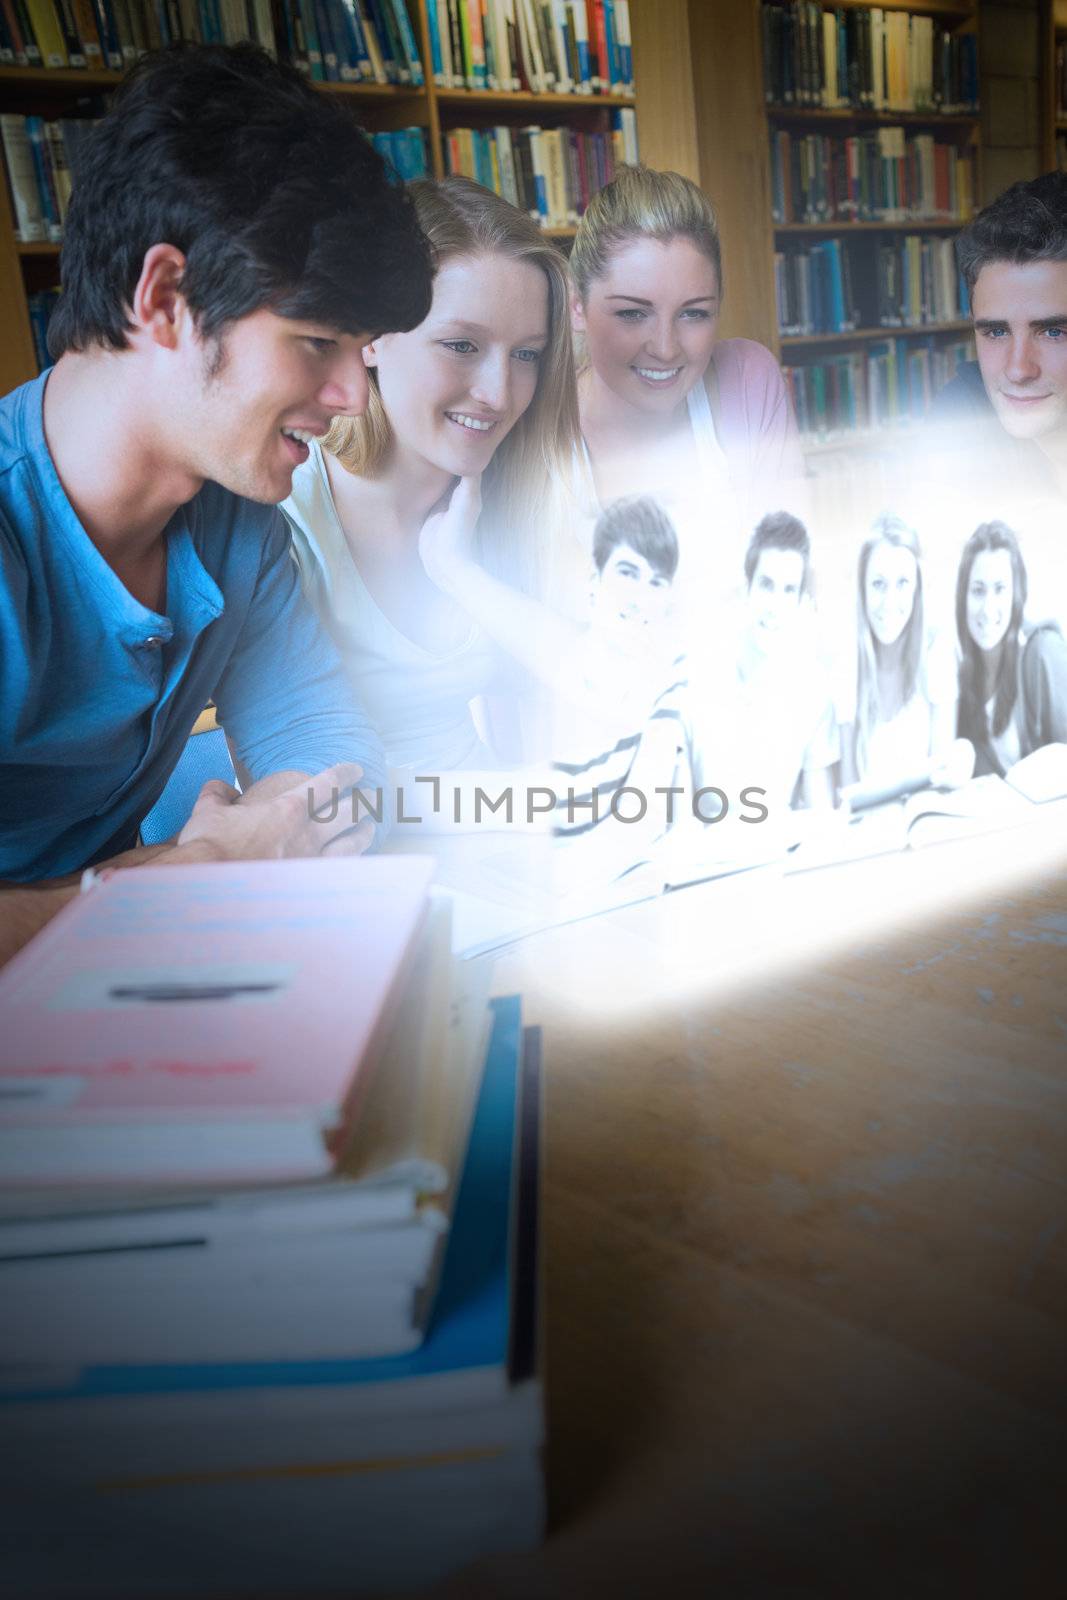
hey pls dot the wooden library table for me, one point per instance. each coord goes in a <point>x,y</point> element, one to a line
<point>805,1253</point>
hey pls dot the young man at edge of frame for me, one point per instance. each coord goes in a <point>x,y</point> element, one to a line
<point>1013,258</point>
<point>233,241</point>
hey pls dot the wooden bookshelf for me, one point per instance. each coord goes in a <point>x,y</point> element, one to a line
<point>1053,24</point>
<point>735,125</point>
<point>799,341</point>
<point>824,229</point>
<point>52,92</point>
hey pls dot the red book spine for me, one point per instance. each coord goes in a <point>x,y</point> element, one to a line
<point>603,65</point>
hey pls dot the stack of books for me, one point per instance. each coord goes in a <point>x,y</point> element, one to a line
<point>580,47</point>
<point>867,58</point>
<point>885,176</point>
<point>549,172</point>
<point>268,1238</point>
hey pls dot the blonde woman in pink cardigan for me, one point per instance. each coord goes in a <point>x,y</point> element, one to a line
<point>667,408</point>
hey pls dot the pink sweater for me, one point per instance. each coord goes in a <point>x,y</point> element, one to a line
<point>754,419</point>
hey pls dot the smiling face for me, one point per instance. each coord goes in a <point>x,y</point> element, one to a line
<point>990,594</point>
<point>1020,319</point>
<point>247,409</point>
<point>889,590</point>
<point>650,322</point>
<point>774,597</point>
<point>628,592</point>
<point>456,385</point>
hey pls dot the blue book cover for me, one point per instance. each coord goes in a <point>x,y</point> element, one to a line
<point>437,65</point>
<point>611,67</point>
<point>472,1315</point>
<point>407,42</point>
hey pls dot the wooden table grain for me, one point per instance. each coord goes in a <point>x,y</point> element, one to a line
<point>804,1225</point>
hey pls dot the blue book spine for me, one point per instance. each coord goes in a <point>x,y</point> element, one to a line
<point>354,23</point>
<point>385,40</point>
<point>407,39</point>
<point>324,28</point>
<point>611,72</point>
<point>412,154</point>
<point>311,41</point>
<point>36,136</point>
<point>837,288</point>
<point>437,64</point>
<point>347,43</point>
<point>109,34</point>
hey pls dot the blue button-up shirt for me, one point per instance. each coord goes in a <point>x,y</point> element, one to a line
<point>98,693</point>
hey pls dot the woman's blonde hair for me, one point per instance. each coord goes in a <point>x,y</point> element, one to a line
<point>461,218</point>
<point>642,204</point>
<point>891,530</point>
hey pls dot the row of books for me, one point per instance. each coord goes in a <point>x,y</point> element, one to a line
<point>112,33</point>
<point>887,175</point>
<point>344,41</point>
<point>538,46</point>
<point>347,41</point>
<point>40,158</point>
<point>883,385</point>
<point>268,1233</point>
<point>405,150</point>
<point>549,172</point>
<point>866,58</point>
<point>916,283</point>
<point>919,283</point>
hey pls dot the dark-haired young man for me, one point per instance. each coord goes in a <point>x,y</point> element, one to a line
<point>786,713</point>
<point>1013,258</point>
<point>232,243</point>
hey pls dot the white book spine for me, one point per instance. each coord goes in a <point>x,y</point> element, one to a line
<point>622,18</point>
<point>536,61</point>
<point>29,218</point>
<point>564,81</point>
<point>506,159</point>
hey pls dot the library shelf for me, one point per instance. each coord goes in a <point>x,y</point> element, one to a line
<point>37,78</point>
<point>505,98</point>
<point>857,114</point>
<point>957,10</point>
<point>913,225</point>
<point>56,92</point>
<point>797,341</point>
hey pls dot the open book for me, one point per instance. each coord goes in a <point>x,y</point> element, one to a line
<point>930,816</point>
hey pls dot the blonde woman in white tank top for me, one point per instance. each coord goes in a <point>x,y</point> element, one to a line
<point>481,393</point>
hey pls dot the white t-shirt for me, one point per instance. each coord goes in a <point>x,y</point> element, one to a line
<point>420,701</point>
<point>900,746</point>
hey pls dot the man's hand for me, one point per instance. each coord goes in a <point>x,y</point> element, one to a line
<point>311,817</point>
<point>446,540</point>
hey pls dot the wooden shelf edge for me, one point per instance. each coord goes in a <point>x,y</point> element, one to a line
<point>797,341</point>
<point>916,225</point>
<point>39,247</point>
<point>923,119</point>
<point>500,97</point>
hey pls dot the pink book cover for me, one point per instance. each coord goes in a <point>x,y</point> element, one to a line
<point>237,991</point>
